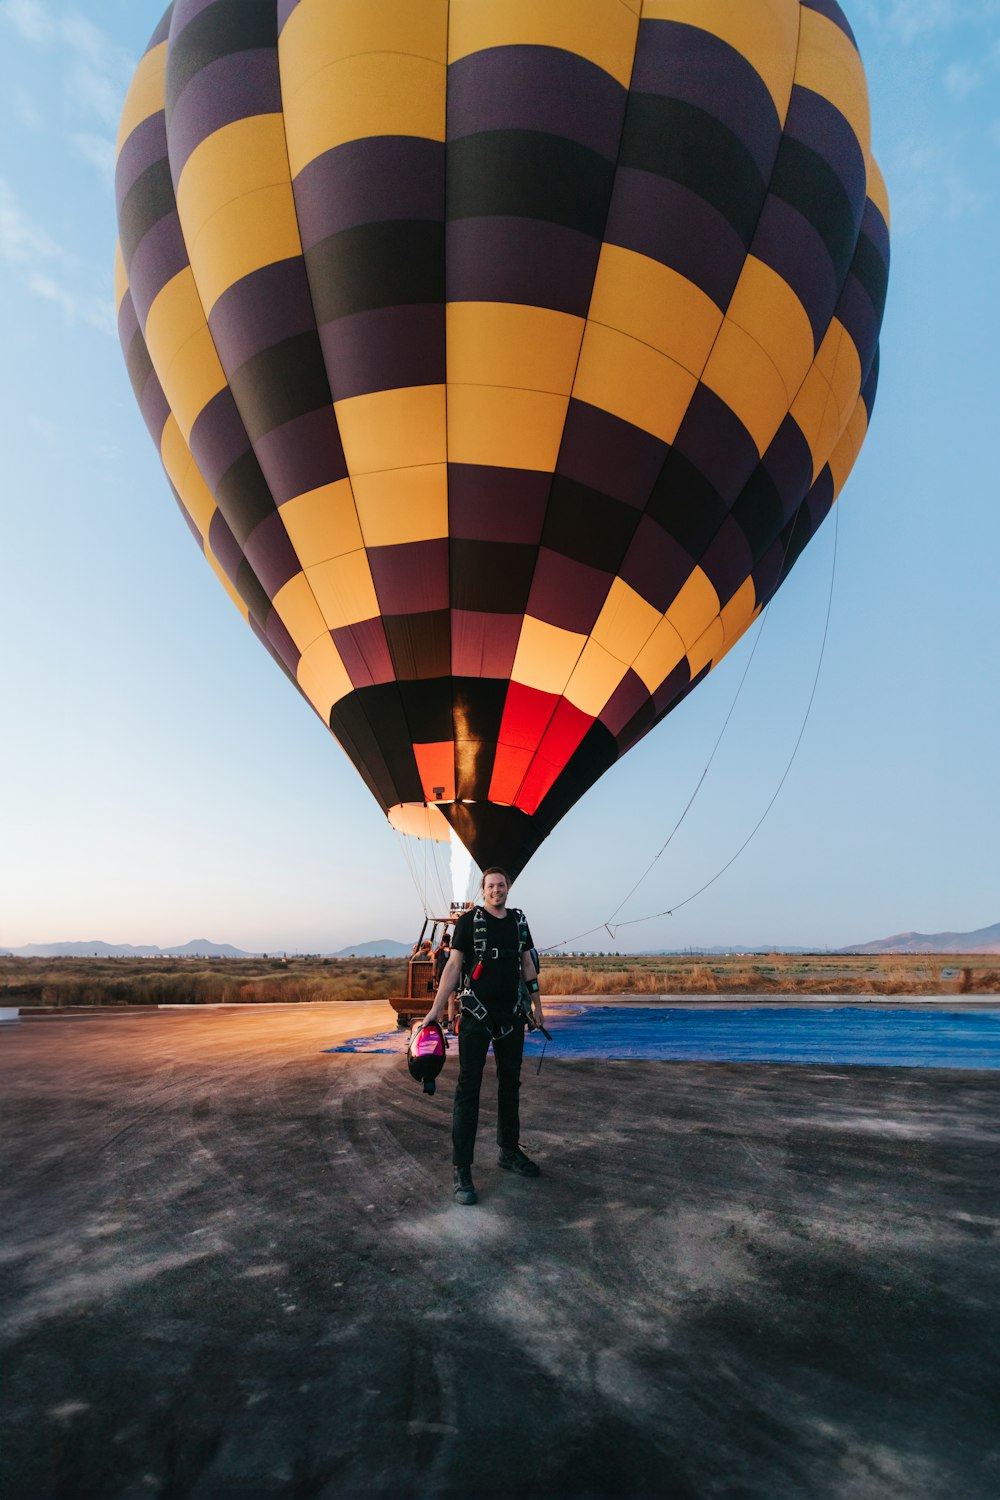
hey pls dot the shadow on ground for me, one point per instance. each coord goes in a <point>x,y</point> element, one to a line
<point>232,1269</point>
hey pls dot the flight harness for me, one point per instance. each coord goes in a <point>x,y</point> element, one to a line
<point>483,954</point>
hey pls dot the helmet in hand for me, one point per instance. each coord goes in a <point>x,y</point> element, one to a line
<point>425,1055</point>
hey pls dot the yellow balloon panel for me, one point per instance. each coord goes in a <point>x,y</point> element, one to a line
<point>509,344</point>
<point>627,378</point>
<point>651,302</point>
<point>602,31</point>
<point>766,32</point>
<point>493,427</point>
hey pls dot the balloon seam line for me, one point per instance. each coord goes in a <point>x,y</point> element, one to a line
<point>576,368</point>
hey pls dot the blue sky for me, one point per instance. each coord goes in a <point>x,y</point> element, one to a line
<point>162,781</point>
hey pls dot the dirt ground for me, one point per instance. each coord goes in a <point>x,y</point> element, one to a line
<point>233,1270</point>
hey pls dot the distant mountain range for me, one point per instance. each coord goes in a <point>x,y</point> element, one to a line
<point>719,951</point>
<point>983,940</point>
<point>198,948</point>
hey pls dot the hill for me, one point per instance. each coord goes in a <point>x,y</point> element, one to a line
<point>983,940</point>
<point>378,948</point>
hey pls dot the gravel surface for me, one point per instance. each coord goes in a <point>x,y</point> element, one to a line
<point>232,1268</point>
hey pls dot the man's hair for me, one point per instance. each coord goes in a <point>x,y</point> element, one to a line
<point>496,870</point>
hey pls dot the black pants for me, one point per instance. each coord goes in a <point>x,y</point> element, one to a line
<point>473,1044</point>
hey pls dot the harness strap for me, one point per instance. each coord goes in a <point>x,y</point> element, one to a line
<point>479,935</point>
<point>474,1007</point>
<point>467,999</point>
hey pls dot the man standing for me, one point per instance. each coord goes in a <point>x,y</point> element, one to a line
<point>491,946</point>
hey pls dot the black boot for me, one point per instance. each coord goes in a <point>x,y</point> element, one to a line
<point>464,1191</point>
<point>513,1159</point>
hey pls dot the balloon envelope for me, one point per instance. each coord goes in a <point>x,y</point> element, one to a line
<point>502,356</point>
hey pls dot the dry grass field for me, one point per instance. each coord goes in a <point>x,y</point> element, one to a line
<point>773,974</point>
<point>179,981</point>
<point>197,981</point>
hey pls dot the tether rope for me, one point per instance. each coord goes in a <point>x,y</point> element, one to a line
<point>608,926</point>
<point>698,785</point>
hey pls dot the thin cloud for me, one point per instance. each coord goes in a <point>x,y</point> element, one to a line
<point>108,453</point>
<point>90,43</point>
<point>91,73</point>
<point>42,264</point>
<point>43,426</point>
<point>29,116</point>
<point>98,71</point>
<point>49,290</point>
<point>927,187</point>
<point>97,312</point>
<point>961,199</point>
<point>22,241</point>
<point>909,20</point>
<point>30,20</point>
<point>99,152</point>
<point>95,93</point>
<point>960,79</point>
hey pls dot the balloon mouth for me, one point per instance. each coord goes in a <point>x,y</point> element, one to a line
<point>490,833</point>
<point>421,820</point>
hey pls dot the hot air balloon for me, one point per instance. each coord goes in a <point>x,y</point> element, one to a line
<point>502,356</point>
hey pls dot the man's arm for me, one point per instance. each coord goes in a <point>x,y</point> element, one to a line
<point>449,984</point>
<point>530,974</point>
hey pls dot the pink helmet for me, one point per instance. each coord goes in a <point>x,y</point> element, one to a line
<point>425,1055</point>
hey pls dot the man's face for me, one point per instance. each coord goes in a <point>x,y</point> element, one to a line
<point>495,890</point>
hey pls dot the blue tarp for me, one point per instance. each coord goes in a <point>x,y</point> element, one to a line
<point>874,1037</point>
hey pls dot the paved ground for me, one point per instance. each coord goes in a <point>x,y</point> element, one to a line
<point>232,1269</point>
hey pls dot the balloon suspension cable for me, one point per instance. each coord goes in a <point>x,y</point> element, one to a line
<point>441,895</point>
<point>432,874</point>
<point>412,869</point>
<point>434,883</point>
<point>698,784</point>
<point>612,927</point>
<point>429,882</point>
